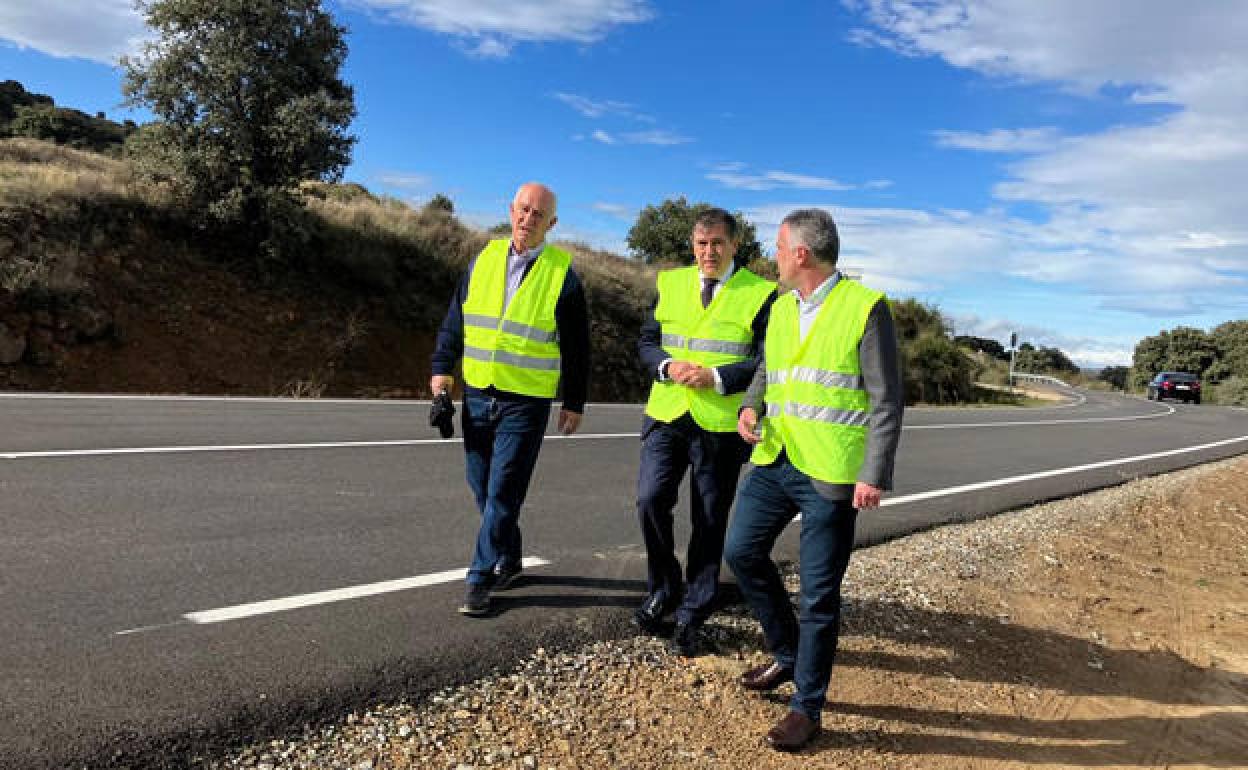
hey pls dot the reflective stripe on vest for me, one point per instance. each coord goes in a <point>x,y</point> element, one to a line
<point>817,405</point>
<point>720,334</point>
<point>517,350</point>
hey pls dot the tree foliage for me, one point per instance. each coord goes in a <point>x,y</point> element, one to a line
<point>1182,349</point>
<point>983,345</point>
<point>249,102</point>
<point>1231,342</point>
<point>935,370</point>
<point>913,319</point>
<point>1043,360</point>
<point>27,114</point>
<point>663,233</point>
<point>1115,376</point>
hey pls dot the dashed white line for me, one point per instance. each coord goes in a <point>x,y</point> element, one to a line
<point>270,606</point>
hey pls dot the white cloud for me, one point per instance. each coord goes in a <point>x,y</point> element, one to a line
<point>101,30</point>
<point>592,108</point>
<point>657,137</point>
<point>404,180</point>
<point>488,48</point>
<point>490,27</point>
<point>733,176</point>
<point>1021,140</point>
<point>1134,213</point>
<point>1087,352</point>
<point>617,210</point>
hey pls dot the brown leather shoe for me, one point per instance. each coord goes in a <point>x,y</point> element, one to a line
<point>792,732</point>
<point>766,677</point>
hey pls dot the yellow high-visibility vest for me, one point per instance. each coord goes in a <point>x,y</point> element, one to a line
<point>717,335</point>
<point>517,350</point>
<point>817,405</point>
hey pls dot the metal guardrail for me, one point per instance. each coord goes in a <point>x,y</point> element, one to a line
<point>1044,378</point>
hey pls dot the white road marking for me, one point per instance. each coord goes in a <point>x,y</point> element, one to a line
<point>51,453</point>
<point>268,447</point>
<point>1055,472</point>
<point>288,400</point>
<point>1014,423</point>
<point>267,607</point>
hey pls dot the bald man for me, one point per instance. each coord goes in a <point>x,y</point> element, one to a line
<point>519,323</point>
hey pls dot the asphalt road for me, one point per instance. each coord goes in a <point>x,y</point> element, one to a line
<point>181,574</point>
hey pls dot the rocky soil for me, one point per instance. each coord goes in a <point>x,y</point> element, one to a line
<point>1109,630</point>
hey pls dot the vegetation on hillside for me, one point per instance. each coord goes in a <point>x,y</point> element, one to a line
<point>249,103</point>
<point>238,170</point>
<point>661,234</point>
<point>1219,357</point>
<point>36,116</point>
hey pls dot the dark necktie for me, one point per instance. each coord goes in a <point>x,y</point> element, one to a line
<point>708,290</point>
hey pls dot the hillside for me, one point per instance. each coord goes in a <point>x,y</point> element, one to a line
<point>105,285</point>
<point>109,284</point>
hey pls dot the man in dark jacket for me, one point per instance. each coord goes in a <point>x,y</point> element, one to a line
<point>701,346</point>
<point>519,323</point>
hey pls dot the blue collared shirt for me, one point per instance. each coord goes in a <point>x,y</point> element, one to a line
<point>517,265</point>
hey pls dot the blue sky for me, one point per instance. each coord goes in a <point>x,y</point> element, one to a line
<point>1074,171</point>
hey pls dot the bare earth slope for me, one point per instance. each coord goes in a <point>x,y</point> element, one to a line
<point>1109,630</point>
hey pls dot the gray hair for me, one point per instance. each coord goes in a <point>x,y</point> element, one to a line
<point>814,229</point>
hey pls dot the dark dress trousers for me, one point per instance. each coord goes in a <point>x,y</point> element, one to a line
<point>714,459</point>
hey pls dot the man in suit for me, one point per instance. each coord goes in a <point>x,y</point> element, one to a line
<point>830,395</point>
<point>701,346</point>
<point>519,323</point>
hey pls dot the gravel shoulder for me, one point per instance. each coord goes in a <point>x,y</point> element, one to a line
<point>1107,630</point>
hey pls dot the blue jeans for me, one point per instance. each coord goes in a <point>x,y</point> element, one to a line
<point>768,500</point>
<point>501,442</point>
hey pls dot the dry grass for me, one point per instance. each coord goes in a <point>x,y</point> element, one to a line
<point>34,171</point>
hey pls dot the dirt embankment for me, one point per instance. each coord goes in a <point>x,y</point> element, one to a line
<point>1109,630</point>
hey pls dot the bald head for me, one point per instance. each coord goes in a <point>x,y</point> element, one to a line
<point>532,214</point>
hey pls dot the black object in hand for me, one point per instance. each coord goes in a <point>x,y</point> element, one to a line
<point>441,412</point>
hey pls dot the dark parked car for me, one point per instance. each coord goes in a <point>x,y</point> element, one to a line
<point>1174,385</point>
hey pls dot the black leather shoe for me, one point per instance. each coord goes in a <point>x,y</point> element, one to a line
<point>649,616</point>
<point>476,602</point>
<point>506,576</point>
<point>766,678</point>
<point>792,732</point>
<point>687,641</point>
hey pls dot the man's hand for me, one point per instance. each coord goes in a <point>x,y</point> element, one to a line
<point>678,370</point>
<point>440,382</point>
<point>747,426</point>
<point>569,422</point>
<point>866,496</point>
<point>690,375</point>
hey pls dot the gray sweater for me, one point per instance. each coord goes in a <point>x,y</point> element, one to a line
<point>881,373</point>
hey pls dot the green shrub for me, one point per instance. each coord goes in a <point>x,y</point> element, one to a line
<point>1232,391</point>
<point>936,371</point>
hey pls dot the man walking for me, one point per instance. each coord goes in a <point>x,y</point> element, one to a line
<point>519,322</point>
<point>825,448</point>
<point>701,346</point>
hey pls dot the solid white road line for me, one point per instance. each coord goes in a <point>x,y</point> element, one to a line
<point>431,441</point>
<point>1055,472</point>
<point>267,607</point>
<point>247,399</point>
<point>269,447</point>
<point>944,426</point>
